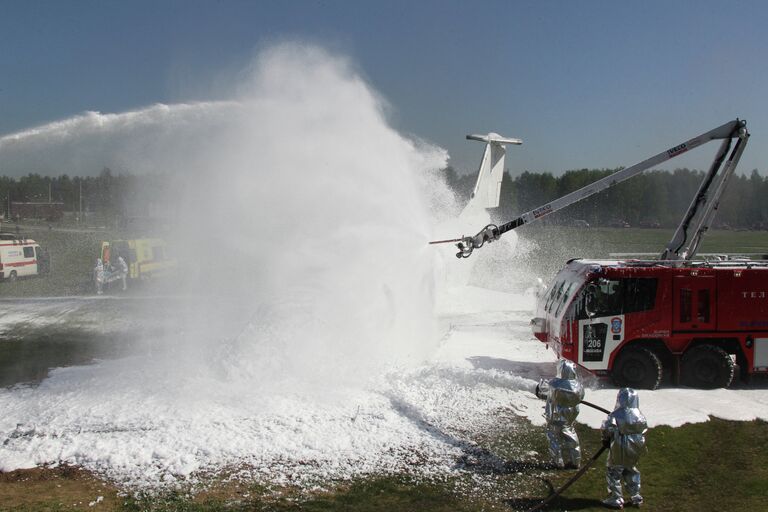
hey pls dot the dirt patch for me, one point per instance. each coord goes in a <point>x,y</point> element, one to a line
<point>56,488</point>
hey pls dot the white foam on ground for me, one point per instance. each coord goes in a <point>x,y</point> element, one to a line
<point>125,420</point>
<point>143,426</point>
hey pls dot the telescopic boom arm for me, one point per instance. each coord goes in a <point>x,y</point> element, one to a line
<point>701,212</point>
<point>698,217</point>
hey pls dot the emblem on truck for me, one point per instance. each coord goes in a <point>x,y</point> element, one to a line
<point>616,325</point>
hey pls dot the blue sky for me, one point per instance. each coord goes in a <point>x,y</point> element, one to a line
<point>584,84</point>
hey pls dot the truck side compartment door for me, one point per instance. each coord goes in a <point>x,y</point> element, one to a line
<point>694,303</point>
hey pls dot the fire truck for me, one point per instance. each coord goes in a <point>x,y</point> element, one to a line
<point>631,319</point>
<point>634,319</point>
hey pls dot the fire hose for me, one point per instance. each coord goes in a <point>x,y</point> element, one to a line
<point>589,404</point>
<point>571,480</point>
<point>580,472</point>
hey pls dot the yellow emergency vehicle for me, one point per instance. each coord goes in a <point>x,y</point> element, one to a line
<point>147,258</point>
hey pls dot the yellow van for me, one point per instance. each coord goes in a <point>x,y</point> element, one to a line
<point>147,258</point>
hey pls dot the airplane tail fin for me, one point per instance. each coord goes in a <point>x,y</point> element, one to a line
<point>488,186</point>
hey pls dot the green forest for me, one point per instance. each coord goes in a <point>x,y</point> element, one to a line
<point>652,199</point>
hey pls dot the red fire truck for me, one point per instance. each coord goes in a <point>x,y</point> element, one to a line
<point>632,319</point>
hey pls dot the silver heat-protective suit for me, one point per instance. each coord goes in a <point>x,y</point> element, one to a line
<point>563,395</point>
<point>625,431</point>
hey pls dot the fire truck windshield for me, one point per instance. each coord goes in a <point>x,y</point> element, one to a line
<point>559,295</point>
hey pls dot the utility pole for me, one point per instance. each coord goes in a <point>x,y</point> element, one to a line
<point>80,216</point>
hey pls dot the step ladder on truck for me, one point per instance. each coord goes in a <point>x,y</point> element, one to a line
<point>632,319</point>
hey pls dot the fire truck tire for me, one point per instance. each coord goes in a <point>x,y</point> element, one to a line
<point>637,367</point>
<point>12,277</point>
<point>707,367</point>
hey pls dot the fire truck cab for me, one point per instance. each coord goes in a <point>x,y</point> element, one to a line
<point>634,319</point>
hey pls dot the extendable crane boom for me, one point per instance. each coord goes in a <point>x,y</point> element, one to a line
<point>697,219</point>
<point>701,212</point>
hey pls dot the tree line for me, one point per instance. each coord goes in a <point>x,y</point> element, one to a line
<point>652,199</point>
<point>109,196</point>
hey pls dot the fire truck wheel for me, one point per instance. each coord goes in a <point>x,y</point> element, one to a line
<point>707,367</point>
<point>637,367</point>
<point>12,276</point>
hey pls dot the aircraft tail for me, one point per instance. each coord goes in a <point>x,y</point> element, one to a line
<point>488,186</point>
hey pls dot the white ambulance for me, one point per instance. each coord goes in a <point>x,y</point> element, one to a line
<point>21,257</point>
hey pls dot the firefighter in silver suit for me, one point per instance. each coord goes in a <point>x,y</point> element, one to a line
<point>624,431</point>
<point>123,269</point>
<point>563,395</point>
<point>99,275</point>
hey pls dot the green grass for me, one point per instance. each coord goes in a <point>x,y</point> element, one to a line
<point>718,465</point>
